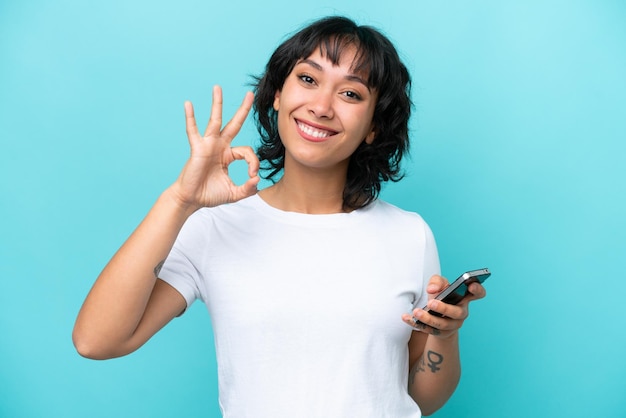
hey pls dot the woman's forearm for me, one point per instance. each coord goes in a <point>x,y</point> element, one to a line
<point>435,375</point>
<point>117,302</point>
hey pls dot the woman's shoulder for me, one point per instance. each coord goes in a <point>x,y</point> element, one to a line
<point>388,210</point>
<point>405,226</point>
<point>249,203</point>
<point>205,217</point>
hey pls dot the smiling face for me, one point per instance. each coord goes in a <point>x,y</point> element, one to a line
<point>324,112</point>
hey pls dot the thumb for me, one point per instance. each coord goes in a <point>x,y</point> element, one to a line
<point>436,284</point>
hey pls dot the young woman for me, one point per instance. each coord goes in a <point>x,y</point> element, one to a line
<point>313,284</point>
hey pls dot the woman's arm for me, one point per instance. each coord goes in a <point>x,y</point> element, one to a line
<point>434,360</point>
<point>127,303</point>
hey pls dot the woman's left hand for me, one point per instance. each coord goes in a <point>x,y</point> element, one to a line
<point>453,315</point>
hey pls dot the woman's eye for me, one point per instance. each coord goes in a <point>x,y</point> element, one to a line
<point>352,95</point>
<point>307,79</point>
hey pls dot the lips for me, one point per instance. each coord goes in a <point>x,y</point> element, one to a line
<point>314,133</point>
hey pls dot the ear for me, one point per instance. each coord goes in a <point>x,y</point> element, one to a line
<point>277,100</point>
<point>370,137</point>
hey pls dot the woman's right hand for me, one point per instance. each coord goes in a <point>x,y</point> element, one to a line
<point>127,304</point>
<point>204,181</point>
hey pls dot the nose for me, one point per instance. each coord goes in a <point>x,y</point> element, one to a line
<point>321,104</point>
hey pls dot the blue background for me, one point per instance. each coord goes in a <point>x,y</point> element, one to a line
<point>517,164</point>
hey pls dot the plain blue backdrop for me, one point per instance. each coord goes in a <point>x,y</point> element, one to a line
<point>517,164</point>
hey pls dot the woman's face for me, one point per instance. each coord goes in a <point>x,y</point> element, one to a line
<point>324,112</point>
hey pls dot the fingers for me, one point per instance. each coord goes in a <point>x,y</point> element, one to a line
<point>190,121</point>
<point>438,308</point>
<point>422,321</point>
<point>247,154</point>
<point>475,291</point>
<point>215,121</point>
<point>232,128</point>
<point>250,186</point>
<point>436,284</point>
<point>431,322</point>
<point>247,189</point>
<point>440,318</point>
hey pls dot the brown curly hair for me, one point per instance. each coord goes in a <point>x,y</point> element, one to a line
<point>370,164</point>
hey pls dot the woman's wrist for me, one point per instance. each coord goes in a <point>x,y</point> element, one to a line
<point>172,196</point>
<point>446,337</point>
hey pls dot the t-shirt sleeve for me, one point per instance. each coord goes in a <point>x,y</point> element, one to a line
<point>431,264</point>
<point>180,269</point>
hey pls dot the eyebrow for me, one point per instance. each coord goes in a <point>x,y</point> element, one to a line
<point>349,77</point>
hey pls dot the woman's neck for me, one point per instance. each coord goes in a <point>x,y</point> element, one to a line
<point>311,192</point>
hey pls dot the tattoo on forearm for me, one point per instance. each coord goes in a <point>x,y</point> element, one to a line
<point>434,360</point>
<point>158,268</point>
<point>417,368</point>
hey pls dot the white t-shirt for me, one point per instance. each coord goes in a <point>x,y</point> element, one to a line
<point>306,309</point>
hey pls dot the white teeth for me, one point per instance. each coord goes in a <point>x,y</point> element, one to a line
<point>312,131</point>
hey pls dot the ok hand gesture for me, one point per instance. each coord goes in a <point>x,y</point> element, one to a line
<point>204,181</point>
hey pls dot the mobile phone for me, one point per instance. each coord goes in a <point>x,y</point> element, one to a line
<point>457,290</point>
